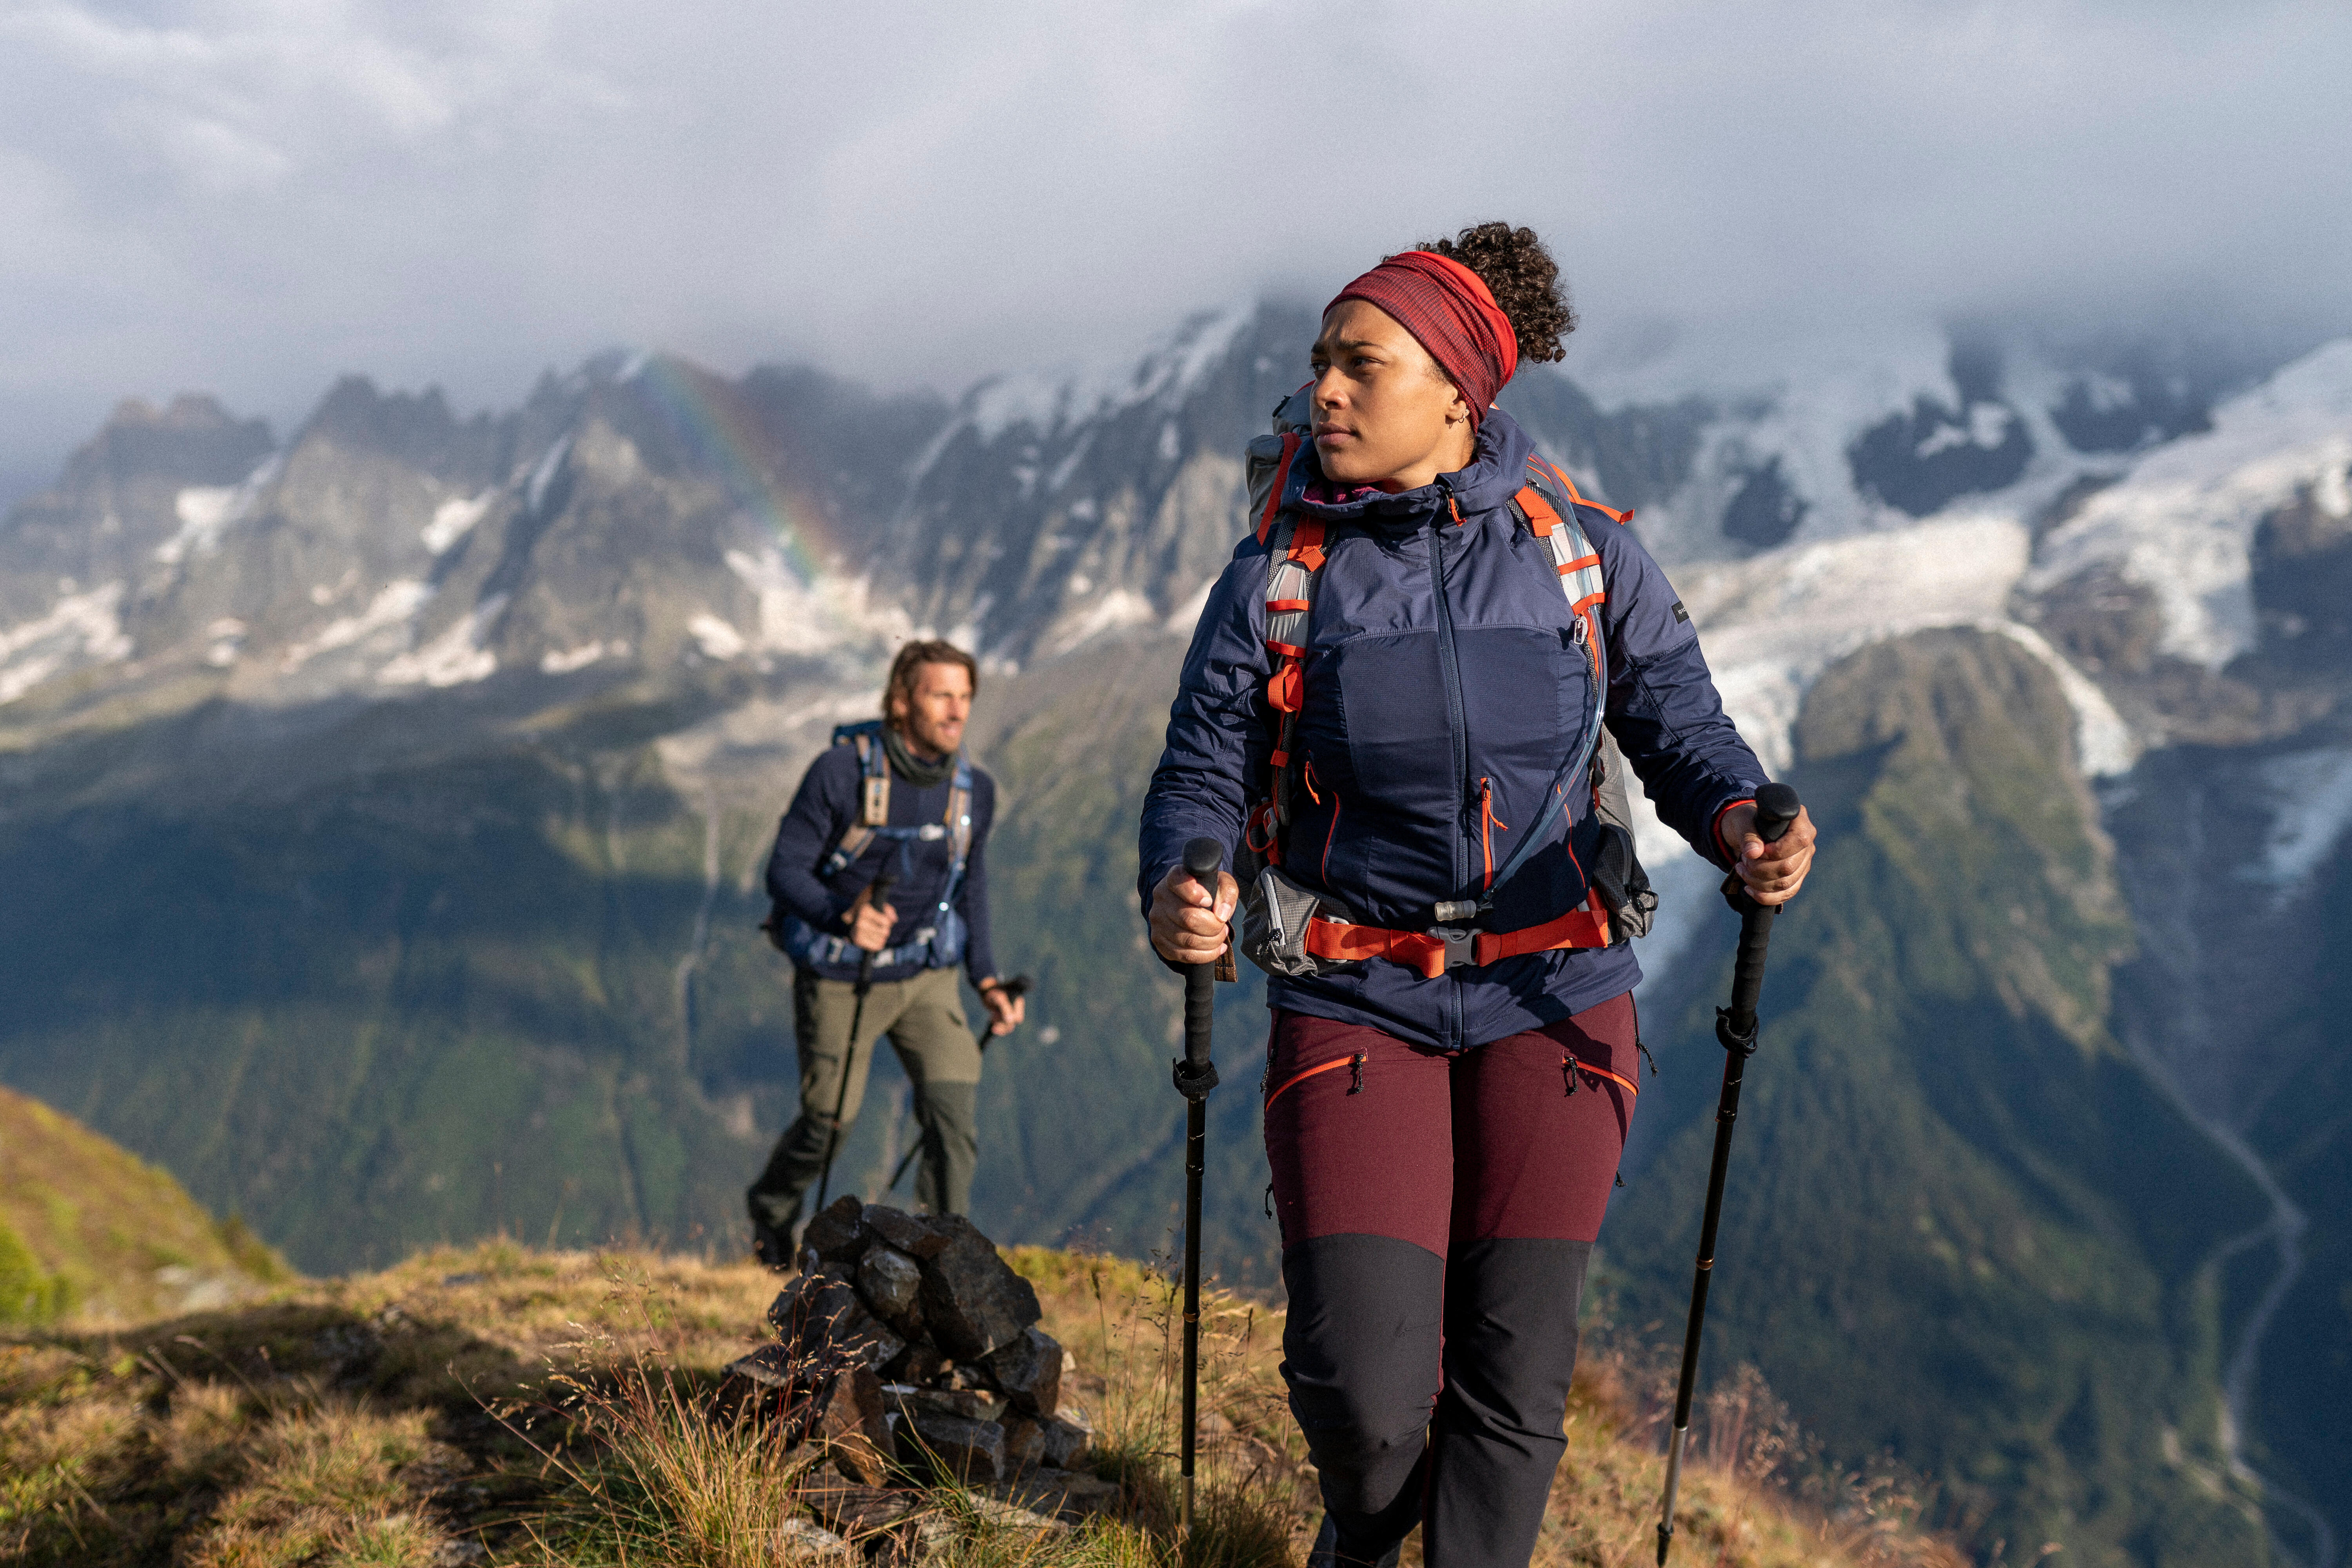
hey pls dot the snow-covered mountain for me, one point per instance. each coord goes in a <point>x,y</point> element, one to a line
<point>661,586</point>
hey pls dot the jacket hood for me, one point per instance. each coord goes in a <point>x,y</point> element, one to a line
<point>1496,472</point>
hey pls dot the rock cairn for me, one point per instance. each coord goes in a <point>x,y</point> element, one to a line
<point>907,1337</point>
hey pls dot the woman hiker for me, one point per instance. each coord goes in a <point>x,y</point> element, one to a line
<point>1453,1059</point>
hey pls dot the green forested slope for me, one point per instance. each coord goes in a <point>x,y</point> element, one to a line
<point>1960,1226</point>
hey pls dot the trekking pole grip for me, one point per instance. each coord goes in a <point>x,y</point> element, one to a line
<point>876,891</point>
<point>1196,1075</point>
<point>1776,811</point>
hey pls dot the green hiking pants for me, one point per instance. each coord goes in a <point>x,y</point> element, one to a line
<point>924,1019</point>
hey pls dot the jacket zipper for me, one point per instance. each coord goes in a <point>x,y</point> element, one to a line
<point>1450,668</point>
<point>1488,823</point>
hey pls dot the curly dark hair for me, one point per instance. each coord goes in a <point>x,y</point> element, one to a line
<point>1524,279</point>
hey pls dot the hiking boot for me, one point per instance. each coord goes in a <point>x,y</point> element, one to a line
<point>1324,1552</point>
<point>771,1246</point>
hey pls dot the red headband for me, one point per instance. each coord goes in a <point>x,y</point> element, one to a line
<point>1450,311</point>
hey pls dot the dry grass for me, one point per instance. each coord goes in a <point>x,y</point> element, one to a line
<point>500,1405</point>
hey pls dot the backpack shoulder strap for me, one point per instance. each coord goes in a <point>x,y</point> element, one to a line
<point>1572,555</point>
<point>873,796</point>
<point>958,822</point>
<point>1294,565</point>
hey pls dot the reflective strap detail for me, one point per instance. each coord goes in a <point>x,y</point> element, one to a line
<point>1627,1084</point>
<point>1579,564</point>
<point>1286,606</point>
<point>1299,1078</point>
<point>1290,445</point>
<point>1285,649</point>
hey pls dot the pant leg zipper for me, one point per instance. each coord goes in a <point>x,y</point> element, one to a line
<point>1355,1082</point>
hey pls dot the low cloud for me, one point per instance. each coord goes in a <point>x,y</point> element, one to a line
<point>254,195</point>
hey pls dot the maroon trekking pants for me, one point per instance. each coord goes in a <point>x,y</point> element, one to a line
<point>1437,1215</point>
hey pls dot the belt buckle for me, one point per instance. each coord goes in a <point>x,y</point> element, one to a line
<point>1460,944</point>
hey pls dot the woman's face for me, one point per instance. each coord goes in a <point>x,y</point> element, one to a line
<point>1384,414</point>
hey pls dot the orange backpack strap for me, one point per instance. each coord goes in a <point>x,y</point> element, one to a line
<point>1296,561</point>
<point>1291,442</point>
<point>1559,476</point>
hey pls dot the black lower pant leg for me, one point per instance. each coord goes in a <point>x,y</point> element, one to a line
<point>1362,1356</point>
<point>1510,1352</point>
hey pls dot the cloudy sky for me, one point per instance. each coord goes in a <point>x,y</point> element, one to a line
<point>252,196</point>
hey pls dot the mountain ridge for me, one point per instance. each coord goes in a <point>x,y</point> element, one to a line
<point>425,767</point>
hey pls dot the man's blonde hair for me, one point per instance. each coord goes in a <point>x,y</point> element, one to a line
<point>907,668</point>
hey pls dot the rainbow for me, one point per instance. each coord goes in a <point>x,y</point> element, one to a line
<point>720,426</point>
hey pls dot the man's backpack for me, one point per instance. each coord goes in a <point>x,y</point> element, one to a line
<point>936,945</point>
<point>1275,912</point>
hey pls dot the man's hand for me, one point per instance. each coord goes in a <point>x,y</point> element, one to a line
<point>869,928</point>
<point>1186,927</point>
<point>1772,872</point>
<point>1005,1010</point>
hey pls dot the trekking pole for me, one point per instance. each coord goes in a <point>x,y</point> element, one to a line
<point>876,891</point>
<point>1735,1027</point>
<point>1016,987</point>
<point>1196,1075</point>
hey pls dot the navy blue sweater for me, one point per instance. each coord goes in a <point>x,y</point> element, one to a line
<point>1445,688</point>
<point>825,807</point>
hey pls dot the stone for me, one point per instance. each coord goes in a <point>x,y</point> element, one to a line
<point>854,1510</point>
<point>1029,1371</point>
<point>1073,1494</point>
<point>826,1323</point>
<point>803,1542</point>
<point>972,1301</point>
<point>1066,1438</point>
<point>971,1451</point>
<point>1007,1515</point>
<point>770,1366</point>
<point>837,1233</point>
<point>913,1543</point>
<point>1024,1444</point>
<point>892,1284</point>
<point>920,1361</point>
<point>972,1405</point>
<point>855,1428</point>
<point>919,1237</point>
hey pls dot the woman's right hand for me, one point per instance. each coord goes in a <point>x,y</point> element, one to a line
<point>1186,927</point>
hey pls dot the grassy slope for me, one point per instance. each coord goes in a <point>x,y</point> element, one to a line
<point>86,1227</point>
<point>352,1420</point>
<point>1961,1226</point>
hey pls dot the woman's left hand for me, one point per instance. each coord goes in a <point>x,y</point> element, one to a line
<point>1772,872</point>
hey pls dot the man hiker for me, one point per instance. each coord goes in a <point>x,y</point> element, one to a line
<point>893,799</point>
<point>1392,716</point>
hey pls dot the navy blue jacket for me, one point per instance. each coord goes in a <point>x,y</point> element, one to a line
<point>824,810</point>
<point>1445,692</point>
